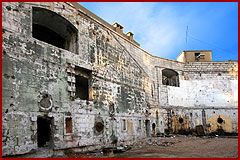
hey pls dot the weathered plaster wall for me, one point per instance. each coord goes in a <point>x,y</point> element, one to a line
<point>210,93</point>
<point>125,85</point>
<point>32,69</point>
<point>205,85</point>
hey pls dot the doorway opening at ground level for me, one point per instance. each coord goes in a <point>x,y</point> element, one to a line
<point>147,125</point>
<point>153,129</point>
<point>44,132</point>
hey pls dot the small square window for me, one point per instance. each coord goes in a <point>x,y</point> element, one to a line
<point>199,56</point>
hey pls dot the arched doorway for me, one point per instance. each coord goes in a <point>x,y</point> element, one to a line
<point>170,77</point>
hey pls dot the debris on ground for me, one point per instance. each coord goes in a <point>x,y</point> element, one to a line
<point>161,147</point>
<point>200,130</point>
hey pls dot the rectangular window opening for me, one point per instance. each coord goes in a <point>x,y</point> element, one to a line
<point>197,56</point>
<point>68,122</point>
<point>124,124</point>
<point>140,124</point>
<point>82,84</point>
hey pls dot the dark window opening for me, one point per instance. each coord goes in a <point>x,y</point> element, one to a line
<point>68,122</point>
<point>153,126</point>
<point>124,124</point>
<point>180,120</point>
<point>170,77</point>
<point>152,90</point>
<point>220,120</point>
<point>153,129</point>
<point>147,126</point>
<point>47,35</point>
<point>139,124</point>
<point>118,90</point>
<point>82,87</point>
<point>54,29</point>
<point>82,83</point>
<point>44,131</point>
<point>99,126</point>
<point>199,56</point>
<point>111,109</point>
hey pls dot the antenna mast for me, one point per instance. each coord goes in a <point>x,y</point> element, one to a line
<point>186,35</point>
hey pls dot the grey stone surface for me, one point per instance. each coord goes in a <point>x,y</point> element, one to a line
<point>125,84</point>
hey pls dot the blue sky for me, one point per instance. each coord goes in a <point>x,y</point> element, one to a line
<point>160,27</point>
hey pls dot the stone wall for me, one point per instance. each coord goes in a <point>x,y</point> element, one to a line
<point>125,95</point>
<point>209,87</point>
<point>33,69</point>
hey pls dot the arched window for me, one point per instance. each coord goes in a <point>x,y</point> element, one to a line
<point>170,77</point>
<point>52,28</point>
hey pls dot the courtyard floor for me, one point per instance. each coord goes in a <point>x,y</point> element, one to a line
<point>178,146</point>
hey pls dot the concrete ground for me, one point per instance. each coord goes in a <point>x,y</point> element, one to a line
<point>179,146</point>
<point>188,147</point>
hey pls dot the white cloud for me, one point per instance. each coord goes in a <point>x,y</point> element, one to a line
<point>160,29</point>
<point>157,31</point>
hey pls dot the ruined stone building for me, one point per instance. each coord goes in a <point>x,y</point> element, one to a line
<point>71,80</point>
